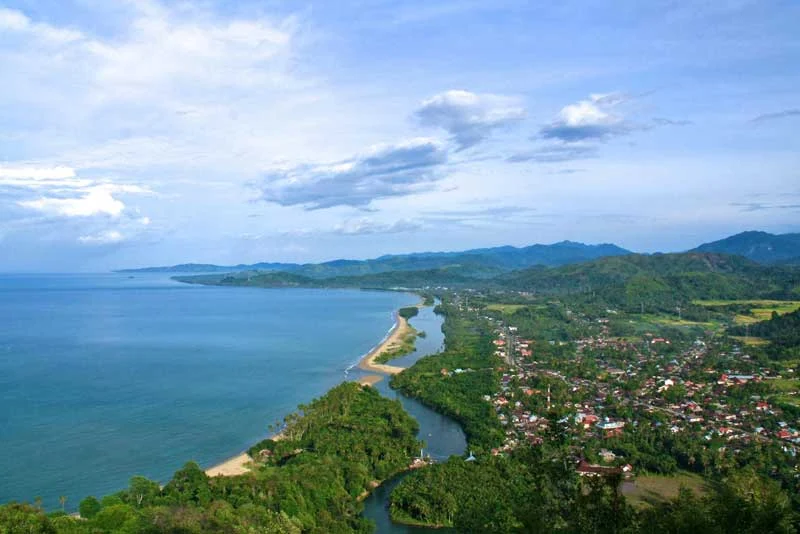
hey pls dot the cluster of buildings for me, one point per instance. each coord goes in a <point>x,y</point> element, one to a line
<point>609,385</point>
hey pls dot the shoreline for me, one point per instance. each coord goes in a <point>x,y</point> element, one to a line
<point>240,464</point>
<point>394,338</point>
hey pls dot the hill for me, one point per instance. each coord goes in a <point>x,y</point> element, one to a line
<point>634,281</point>
<point>660,281</point>
<point>484,263</point>
<point>762,247</point>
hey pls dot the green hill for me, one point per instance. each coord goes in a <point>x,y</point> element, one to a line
<point>762,247</point>
<point>660,281</point>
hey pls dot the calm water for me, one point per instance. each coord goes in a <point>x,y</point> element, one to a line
<point>443,437</point>
<point>104,376</point>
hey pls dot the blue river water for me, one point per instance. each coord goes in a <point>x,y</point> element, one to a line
<point>106,376</point>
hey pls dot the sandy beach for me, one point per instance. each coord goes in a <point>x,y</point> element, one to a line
<point>238,465</point>
<point>370,380</point>
<point>394,339</point>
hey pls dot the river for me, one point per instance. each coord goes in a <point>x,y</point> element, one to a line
<point>443,437</point>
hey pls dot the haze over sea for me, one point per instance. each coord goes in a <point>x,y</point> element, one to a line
<point>104,376</point>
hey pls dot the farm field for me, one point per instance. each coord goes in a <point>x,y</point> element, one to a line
<point>652,489</point>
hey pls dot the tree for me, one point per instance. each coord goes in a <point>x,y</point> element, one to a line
<point>24,518</point>
<point>89,507</point>
<point>142,491</point>
<point>63,500</point>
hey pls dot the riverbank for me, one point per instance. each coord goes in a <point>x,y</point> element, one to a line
<point>392,341</point>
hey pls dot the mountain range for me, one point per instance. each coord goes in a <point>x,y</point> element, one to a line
<point>761,247</point>
<point>483,262</point>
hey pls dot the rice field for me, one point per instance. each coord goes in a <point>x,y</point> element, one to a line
<point>760,310</point>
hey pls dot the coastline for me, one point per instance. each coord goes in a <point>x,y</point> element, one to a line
<point>395,338</point>
<point>236,465</point>
<point>240,464</point>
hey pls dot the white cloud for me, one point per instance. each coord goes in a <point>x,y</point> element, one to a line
<point>365,225</point>
<point>35,177</point>
<point>177,85</point>
<point>96,201</point>
<point>383,171</point>
<point>589,119</point>
<point>13,21</point>
<point>106,237</point>
<point>468,117</point>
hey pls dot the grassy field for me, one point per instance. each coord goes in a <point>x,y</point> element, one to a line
<point>505,308</point>
<point>761,310</point>
<point>752,341</point>
<point>669,320</point>
<point>787,399</point>
<point>783,385</point>
<point>651,489</point>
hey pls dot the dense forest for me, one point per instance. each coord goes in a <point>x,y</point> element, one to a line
<point>782,331</point>
<point>536,490</point>
<point>331,453</point>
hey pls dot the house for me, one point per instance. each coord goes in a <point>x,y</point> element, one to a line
<point>585,469</point>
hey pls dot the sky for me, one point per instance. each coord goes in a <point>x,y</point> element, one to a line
<point>156,132</point>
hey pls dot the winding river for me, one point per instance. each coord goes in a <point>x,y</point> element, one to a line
<point>443,437</point>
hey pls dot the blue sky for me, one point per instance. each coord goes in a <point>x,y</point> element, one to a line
<point>142,132</point>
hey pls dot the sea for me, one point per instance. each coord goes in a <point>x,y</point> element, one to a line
<point>106,376</point>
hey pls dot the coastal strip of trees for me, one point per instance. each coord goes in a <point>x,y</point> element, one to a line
<point>332,452</point>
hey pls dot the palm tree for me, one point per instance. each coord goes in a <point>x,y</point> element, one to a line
<point>63,500</point>
<point>38,501</point>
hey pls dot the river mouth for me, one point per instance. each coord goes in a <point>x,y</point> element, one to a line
<point>442,436</point>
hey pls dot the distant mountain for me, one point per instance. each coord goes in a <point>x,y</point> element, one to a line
<point>657,282</point>
<point>762,247</point>
<point>481,263</point>
<point>211,268</point>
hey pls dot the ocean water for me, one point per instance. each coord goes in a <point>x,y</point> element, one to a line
<point>103,377</point>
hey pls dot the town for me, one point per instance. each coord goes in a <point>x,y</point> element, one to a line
<point>605,392</point>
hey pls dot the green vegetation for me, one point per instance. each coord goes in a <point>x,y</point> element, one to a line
<point>310,481</point>
<point>406,346</point>
<point>752,311</point>
<point>660,282</point>
<point>530,492</point>
<point>782,332</point>
<point>762,247</point>
<point>645,283</point>
<point>659,489</point>
<point>520,494</point>
<point>455,381</point>
<point>505,308</point>
<point>408,312</point>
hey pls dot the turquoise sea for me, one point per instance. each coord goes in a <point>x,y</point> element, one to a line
<point>107,376</point>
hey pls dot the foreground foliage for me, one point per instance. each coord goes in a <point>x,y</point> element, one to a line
<point>533,491</point>
<point>308,482</point>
